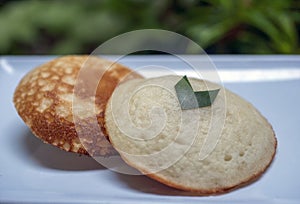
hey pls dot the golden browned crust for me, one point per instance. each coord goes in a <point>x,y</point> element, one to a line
<point>43,99</point>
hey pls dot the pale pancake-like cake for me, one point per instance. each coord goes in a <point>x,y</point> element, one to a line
<point>43,99</point>
<point>152,134</point>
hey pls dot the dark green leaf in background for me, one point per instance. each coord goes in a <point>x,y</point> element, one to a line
<point>218,26</point>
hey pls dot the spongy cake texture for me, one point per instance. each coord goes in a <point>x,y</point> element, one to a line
<point>173,138</point>
<point>44,97</point>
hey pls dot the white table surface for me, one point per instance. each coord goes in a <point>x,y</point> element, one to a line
<point>33,172</point>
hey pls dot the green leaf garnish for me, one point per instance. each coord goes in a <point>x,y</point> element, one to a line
<point>189,99</point>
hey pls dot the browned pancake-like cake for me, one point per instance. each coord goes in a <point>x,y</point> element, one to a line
<point>43,99</point>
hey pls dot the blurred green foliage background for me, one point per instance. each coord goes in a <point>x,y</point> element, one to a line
<point>219,26</point>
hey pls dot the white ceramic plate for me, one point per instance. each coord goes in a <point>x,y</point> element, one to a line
<point>34,172</point>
